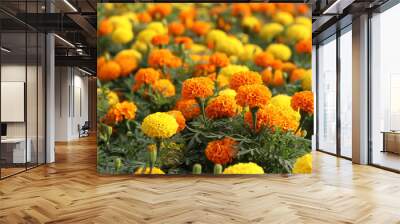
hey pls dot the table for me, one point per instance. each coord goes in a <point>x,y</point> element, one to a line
<point>391,141</point>
<point>16,147</point>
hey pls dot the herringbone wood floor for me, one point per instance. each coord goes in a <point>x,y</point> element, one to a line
<point>70,191</point>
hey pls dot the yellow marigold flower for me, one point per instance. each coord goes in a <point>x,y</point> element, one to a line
<point>140,46</point>
<point>303,164</point>
<point>298,32</point>
<point>273,116</point>
<point>244,78</point>
<point>244,168</point>
<point>109,6</point>
<point>131,53</point>
<point>271,30</point>
<point>256,95</point>
<point>249,51</point>
<point>252,23</point>
<point>229,70</point>
<point>201,87</point>
<point>279,51</point>
<point>197,48</point>
<point>221,107</point>
<point>180,119</point>
<point>159,125</point>
<point>112,98</point>
<point>222,81</point>
<point>284,101</point>
<point>303,21</point>
<point>303,101</point>
<point>283,18</point>
<point>227,92</point>
<point>155,170</point>
<point>121,22</point>
<point>306,82</point>
<point>145,36</point>
<point>230,46</point>
<point>215,35</point>
<point>122,35</point>
<point>221,151</point>
<point>158,27</point>
<point>164,87</point>
<point>189,108</point>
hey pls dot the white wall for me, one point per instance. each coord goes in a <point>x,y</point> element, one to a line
<point>71,94</point>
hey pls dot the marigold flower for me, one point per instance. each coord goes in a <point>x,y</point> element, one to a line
<point>283,18</point>
<point>204,69</point>
<point>273,116</point>
<point>268,8</point>
<point>144,17</point>
<point>201,87</point>
<point>263,59</point>
<point>227,92</point>
<point>200,28</point>
<point>122,35</point>
<point>229,70</point>
<point>304,46</point>
<point>176,28</point>
<point>127,62</point>
<point>278,78</point>
<point>252,23</point>
<point>288,66</point>
<point>105,27</point>
<point>285,101</point>
<point>109,71</point>
<point>180,119</point>
<point>303,164</point>
<point>277,64</point>
<point>266,75</point>
<point>249,51</point>
<point>303,101</point>
<point>241,9</point>
<point>256,95</point>
<point>302,8</point>
<point>221,151</point>
<point>298,32</point>
<point>222,106</point>
<point>279,51</point>
<point>155,170</point>
<point>160,10</point>
<point>160,40</point>
<point>146,76</point>
<point>164,87</point>
<point>306,81</point>
<point>219,60</point>
<point>297,74</point>
<point>244,78</point>
<point>186,41</point>
<point>286,7</point>
<point>244,168</point>
<point>189,108</point>
<point>159,125</point>
<point>163,57</point>
<point>230,46</point>
<point>120,111</point>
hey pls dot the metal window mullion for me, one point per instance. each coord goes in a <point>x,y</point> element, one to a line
<point>338,94</point>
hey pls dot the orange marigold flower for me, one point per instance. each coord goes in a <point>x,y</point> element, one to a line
<point>164,87</point>
<point>145,76</point>
<point>163,57</point>
<point>278,79</point>
<point>286,7</point>
<point>268,8</point>
<point>105,27</point>
<point>288,66</point>
<point>176,28</point>
<point>266,75</point>
<point>189,108</point>
<point>204,69</point>
<point>201,87</point>
<point>222,106</point>
<point>119,112</point>
<point>303,101</point>
<point>302,8</point>
<point>219,60</point>
<point>180,119</point>
<point>256,95</point>
<point>272,116</point>
<point>221,151</point>
<point>297,74</point>
<point>186,41</point>
<point>109,71</point>
<point>100,62</point>
<point>200,28</point>
<point>160,10</point>
<point>160,40</point>
<point>144,17</point>
<point>187,16</point>
<point>304,46</point>
<point>244,78</point>
<point>128,63</point>
<point>241,9</point>
<point>263,59</point>
<point>277,64</point>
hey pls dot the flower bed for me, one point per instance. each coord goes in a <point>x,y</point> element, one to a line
<point>204,88</point>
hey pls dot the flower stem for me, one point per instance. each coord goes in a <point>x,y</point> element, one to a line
<point>302,120</point>
<point>201,102</point>
<point>254,117</point>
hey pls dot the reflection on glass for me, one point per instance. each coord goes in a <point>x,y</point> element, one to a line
<point>327,96</point>
<point>386,89</point>
<point>346,94</point>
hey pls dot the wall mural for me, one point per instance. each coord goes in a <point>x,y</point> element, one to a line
<point>204,88</point>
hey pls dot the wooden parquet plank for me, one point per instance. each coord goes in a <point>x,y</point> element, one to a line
<point>70,191</point>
